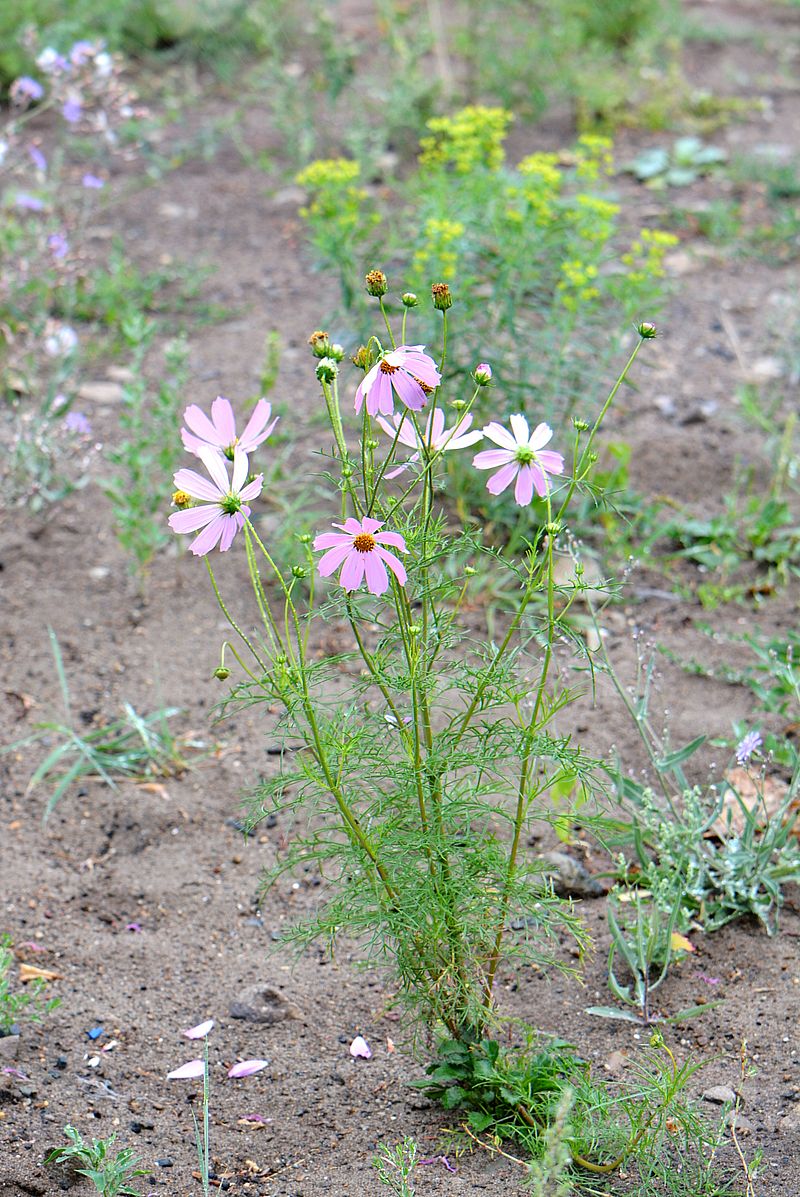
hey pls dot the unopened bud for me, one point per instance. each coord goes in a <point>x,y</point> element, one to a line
<point>376,284</point>
<point>409,300</point>
<point>483,374</point>
<point>442,299</point>
<point>372,444</point>
<point>414,629</point>
<point>361,358</point>
<point>320,344</point>
<point>470,571</point>
<point>304,538</point>
<point>221,673</point>
<point>579,425</point>
<point>647,331</point>
<point>299,571</point>
<point>347,471</point>
<point>553,529</point>
<point>181,499</point>
<point>327,370</point>
<point>459,404</point>
<point>336,352</point>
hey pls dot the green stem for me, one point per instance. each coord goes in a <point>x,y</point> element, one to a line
<point>230,618</point>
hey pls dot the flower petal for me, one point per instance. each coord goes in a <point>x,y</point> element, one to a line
<point>193,519</point>
<point>541,434</point>
<point>523,491</point>
<point>253,489</point>
<point>328,564</point>
<point>375,572</point>
<point>360,1049</point>
<point>208,538</point>
<point>223,420</point>
<point>329,540</point>
<point>247,1067</point>
<point>257,428</point>
<point>240,468</point>
<point>231,526</point>
<point>550,461</point>
<point>187,1072</point>
<point>488,459</point>
<point>214,464</point>
<point>392,538</point>
<point>197,486</point>
<point>503,478</point>
<point>352,570</point>
<point>395,565</point>
<point>200,1031</point>
<point>520,429</point>
<point>199,423</point>
<point>409,390</point>
<point>370,525</point>
<point>500,435</point>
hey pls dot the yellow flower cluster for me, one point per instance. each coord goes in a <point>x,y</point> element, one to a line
<point>540,188</point>
<point>472,137</point>
<point>645,258</point>
<point>437,255</point>
<point>594,157</point>
<point>592,217</point>
<point>577,284</point>
<point>334,196</point>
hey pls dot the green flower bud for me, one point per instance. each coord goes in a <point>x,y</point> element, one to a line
<point>336,352</point>
<point>327,370</point>
<point>299,571</point>
<point>409,300</point>
<point>579,425</point>
<point>646,330</point>
<point>221,673</point>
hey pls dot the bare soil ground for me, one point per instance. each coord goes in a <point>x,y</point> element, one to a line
<point>167,859</point>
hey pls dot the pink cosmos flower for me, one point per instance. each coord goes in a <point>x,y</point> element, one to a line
<point>408,370</point>
<point>219,433</point>
<point>436,438</point>
<point>223,507</point>
<point>522,456</point>
<point>358,548</point>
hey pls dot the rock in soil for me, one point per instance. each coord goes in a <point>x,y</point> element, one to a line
<point>265,1004</point>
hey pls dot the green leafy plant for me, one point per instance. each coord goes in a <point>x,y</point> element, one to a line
<point>108,1173</point>
<point>134,746</point>
<point>395,1167</point>
<point>686,161</point>
<point>17,1006</point>
<point>148,419</point>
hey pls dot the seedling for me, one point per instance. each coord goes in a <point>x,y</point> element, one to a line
<point>108,1173</point>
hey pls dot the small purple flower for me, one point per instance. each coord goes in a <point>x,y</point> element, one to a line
<point>747,746</point>
<point>71,111</point>
<point>37,158</point>
<point>92,182</point>
<point>75,421</point>
<point>58,246</point>
<point>26,88</point>
<point>29,203</point>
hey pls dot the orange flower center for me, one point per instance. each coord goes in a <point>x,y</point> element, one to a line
<point>387,368</point>
<point>181,499</point>
<point>364,543</point>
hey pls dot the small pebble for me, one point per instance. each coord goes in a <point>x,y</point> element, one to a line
<point>165,1163</point>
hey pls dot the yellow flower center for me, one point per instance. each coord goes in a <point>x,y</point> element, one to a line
<point>364,543</point>
<point>181,499</point>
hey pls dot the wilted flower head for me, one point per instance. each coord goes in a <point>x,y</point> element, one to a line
<point>747,746</point>
<point>522,456</point>
<point>219,433</point>
<point>223,503</point>
<point>359,550</point>
<point>25,88</point>
<point>406,370</point>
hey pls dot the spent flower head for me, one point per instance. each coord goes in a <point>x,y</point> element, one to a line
<point>522,459</point>
<point>360,550</point>
<point>376,284</point>
<point>406,370</point>
<point>223,508</point>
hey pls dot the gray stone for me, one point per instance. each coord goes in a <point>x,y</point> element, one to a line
<point>569,877</point>
<point>9,1046</point>
<point>264,1004</point>
<point>720,1095</point>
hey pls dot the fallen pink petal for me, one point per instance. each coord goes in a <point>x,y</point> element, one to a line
<point>247,1068</point>
<point>187,1072</point>
<point>200,1031</point>
<point>135,928</point>
<point>360,1049</point>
